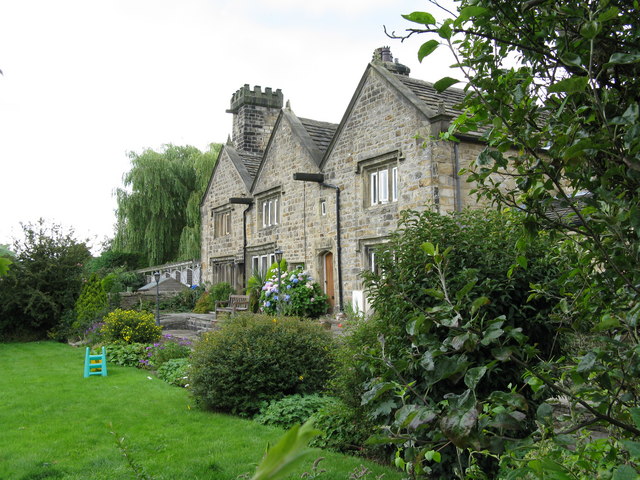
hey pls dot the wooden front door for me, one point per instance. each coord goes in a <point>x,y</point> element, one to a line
<point>328,279</point>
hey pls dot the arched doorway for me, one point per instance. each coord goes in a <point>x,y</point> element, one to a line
<point>327,273</point>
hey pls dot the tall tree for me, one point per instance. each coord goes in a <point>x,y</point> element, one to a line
<point>153,207</point>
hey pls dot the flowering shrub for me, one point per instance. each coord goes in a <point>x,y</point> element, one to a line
<point>129,326</point>
<point>168,348</point>
<point>296,294</point>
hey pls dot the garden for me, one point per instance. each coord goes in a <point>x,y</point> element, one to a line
<point>492,353</point>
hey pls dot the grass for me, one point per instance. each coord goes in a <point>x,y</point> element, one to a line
<point>55,424</point>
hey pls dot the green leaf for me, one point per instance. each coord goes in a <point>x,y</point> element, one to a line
<point>428,248</point>
<point>445,31</point>
<point>544,414</point>
<point>467,12</point>
<point>635,415</point>
<point>570,85</point>
<point>427,49</point>
<point>432,292</point>
<point>460,294</point>
<point>624,58</point>
<point>590,29</point>
<point>477,303</point>
<point>285,455</point>
<point>572,59</point>
<point>609,14</point>
<point>625,472</point>
<point>432,456</point>
<point>606,323</point>
<point>586,363</point>
<point>632,447</point>
<point>444,83</point>
<point>420,17</point>
<point>522,261</point>
<point>473,376</point>
<point>377,390</point>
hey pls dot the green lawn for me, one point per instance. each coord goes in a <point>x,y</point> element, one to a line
<point>56,424</point>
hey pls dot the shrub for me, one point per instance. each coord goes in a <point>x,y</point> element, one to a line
<point>207,301</point>
<point>343,430</point>
<point>91,304</point>
<point>168,349</point>
<point>129,326</point>
<point>184,301</point>
<point>126,355</point>
<point>175,372</point>
<point>288,411</point>
<point>295,294</point>
<point>258,358</point>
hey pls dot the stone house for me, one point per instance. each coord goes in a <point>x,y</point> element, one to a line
<point>327,195</point>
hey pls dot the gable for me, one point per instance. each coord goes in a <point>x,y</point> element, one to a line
<point>228,179</point>
<point>295,145</point>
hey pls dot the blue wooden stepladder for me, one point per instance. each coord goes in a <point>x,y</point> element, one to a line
<point>95,364</point>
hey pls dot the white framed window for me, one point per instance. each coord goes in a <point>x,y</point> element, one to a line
<point>269,212</point>
<point>323,207</point>
<point>262,263</point>
<point>382,184</point>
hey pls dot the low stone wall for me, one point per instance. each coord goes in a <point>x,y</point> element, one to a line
<point>129,300</point>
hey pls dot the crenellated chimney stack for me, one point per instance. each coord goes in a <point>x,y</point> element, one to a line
<point>254,116</point>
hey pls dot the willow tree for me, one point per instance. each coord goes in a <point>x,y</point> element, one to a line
<point>153,204</point>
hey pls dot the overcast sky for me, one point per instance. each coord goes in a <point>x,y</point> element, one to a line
<point>86,81</point>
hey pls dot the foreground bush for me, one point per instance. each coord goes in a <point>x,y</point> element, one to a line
<point>129,326</point>
<point>256,358</point>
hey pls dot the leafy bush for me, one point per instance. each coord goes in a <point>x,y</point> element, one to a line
<point>91,304</point>
<point>184,301</point>
<point>129,326</point>
<point>288,411</point>
<point>44,281</point>
<point>295,294</point>
<point>126,355</point>
<point>450,323</point>
<point>207,301</point>
<point>175,371</point>
<point>168,348</point>
<point>258,358</point>
<point>343,430</point>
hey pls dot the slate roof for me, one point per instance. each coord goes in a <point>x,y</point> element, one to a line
<point>251,162</point>
<point>450,99</point>
<point>320,132</point>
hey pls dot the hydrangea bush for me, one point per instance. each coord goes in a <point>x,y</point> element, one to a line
<point>296,294</point>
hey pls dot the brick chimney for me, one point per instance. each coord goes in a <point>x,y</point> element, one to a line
<point>254,115</point>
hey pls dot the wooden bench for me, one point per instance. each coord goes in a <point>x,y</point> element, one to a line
<point>236,303</point>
